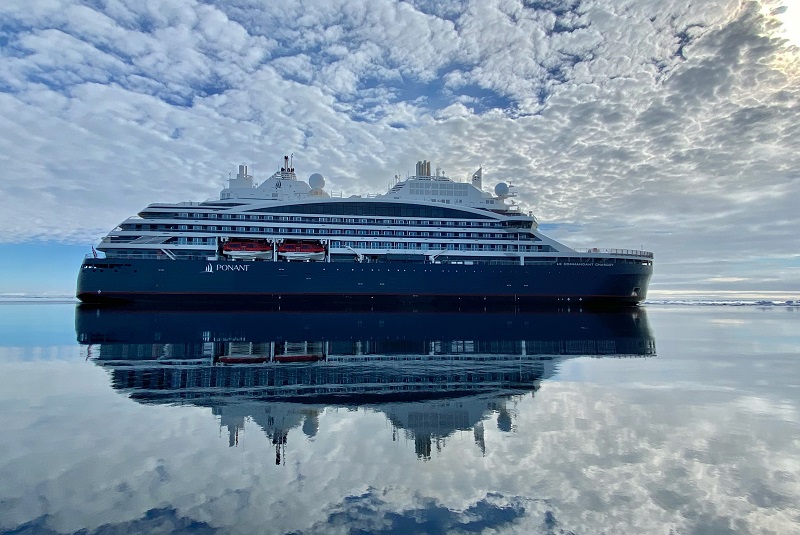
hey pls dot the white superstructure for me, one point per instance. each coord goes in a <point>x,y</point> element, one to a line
<point>426,217</point>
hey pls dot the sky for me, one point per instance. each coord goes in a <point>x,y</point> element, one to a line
<point>669,126</point>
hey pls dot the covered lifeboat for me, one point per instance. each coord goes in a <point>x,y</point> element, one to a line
<point>247,250</point>
<point>301,251</point>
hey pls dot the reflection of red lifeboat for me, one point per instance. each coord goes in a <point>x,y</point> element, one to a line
<point>298,358</point>
<point>302,251</point>
<point>242,359</point>
<point>247,249</point>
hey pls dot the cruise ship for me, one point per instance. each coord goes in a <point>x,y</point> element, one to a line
<point>428,239</point>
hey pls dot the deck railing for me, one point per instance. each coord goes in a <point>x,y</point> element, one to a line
<point>622,252</point>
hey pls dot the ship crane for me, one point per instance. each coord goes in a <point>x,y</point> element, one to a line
<point>359,256</point>
<point>434,256</point>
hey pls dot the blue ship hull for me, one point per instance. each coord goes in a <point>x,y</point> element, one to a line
<point>600,280</point>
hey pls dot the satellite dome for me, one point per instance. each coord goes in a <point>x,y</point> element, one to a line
<point>316,181</point>
<point>501,189</point>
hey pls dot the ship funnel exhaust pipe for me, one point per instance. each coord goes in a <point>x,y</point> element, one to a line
<point>424,168</point>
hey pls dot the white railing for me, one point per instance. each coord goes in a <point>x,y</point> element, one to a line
<point>622,252</point>
<point>176,253</point>
<point>150,239</point>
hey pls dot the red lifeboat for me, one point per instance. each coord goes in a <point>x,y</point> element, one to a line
<point>301,251</point>
<point>247,249</point>
<point>301,248</point>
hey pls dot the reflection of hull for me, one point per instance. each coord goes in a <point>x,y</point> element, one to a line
<point>620,331</point>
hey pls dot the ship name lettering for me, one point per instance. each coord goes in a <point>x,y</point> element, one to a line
<point>232,267</point>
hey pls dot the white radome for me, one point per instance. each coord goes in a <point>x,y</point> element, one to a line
<point>316,181</point>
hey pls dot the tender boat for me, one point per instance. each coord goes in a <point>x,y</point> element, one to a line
<point>302,251</point>
<point>247,250</point>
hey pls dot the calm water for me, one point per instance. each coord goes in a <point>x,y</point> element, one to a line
<point>663,420</point>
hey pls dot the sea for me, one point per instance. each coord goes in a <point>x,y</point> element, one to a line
<point>669,418</point>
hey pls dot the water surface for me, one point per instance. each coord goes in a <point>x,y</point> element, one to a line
<point>657,420</point>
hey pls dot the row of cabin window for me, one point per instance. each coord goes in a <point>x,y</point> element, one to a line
<point>329,232</point>
<point>436,193</point>
<point>318,220</point>
<point>214,228</point>
<point>440,246</point>
<point>201,254</point>
<point>401,245</point>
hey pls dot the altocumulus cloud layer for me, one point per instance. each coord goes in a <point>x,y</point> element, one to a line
<point>665,124</point>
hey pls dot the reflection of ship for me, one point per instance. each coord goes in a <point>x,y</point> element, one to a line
<point>431,374</point>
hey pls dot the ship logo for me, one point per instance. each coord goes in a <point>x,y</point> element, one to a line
<point>208,269</point>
